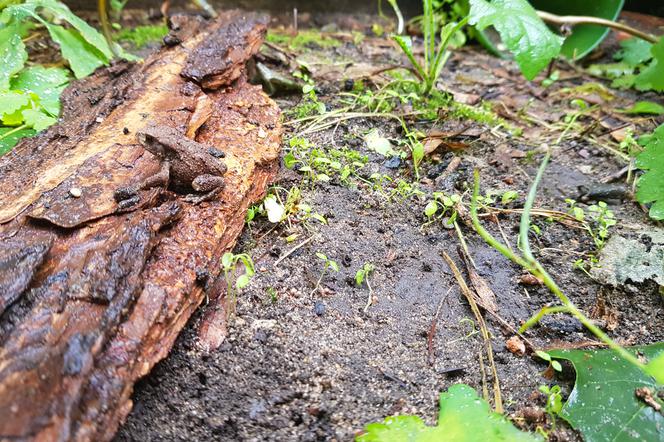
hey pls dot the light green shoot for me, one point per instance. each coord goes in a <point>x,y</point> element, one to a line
<point>361,276</point>
<point>229,262</point>
<point>328,264</point>
<point>434,57</point>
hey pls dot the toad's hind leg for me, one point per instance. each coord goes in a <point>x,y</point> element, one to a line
<point>211,184</point>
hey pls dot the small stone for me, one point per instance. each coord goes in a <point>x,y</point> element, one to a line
<point>75,192</point>
<point>393,163</point>
<point>261,133</point>
<point>583,153</point>
<point>99,119</point>
<point>319,308</point>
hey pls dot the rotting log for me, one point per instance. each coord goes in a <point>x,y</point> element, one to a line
<point>94,291</point>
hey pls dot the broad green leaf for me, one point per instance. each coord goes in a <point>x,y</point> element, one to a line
<point>463,417</point>
<point>9,136</point>
<point>645,107</point>
<point>652,77</point>
<point>37,119</point>
<point>584,38</point>
<point>651,184</point>
<point>603,405</point>
<point>12,101</point>
<point>12,53</point>
<point>522,31</point>
<point>83,58</point>
<point>87,32</point>
<point>45,83</point>
<point>634,51</point>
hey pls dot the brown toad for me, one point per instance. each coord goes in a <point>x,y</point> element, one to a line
<point>187,164</point>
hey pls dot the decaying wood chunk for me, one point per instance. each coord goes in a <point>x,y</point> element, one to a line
<point>99,272</point>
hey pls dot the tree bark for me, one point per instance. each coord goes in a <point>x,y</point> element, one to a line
<point>93,292</point>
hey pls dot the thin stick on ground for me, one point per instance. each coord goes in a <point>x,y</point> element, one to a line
<point>434,325</point>
<point>498,402</point>
<point>293,250</point>
<point>370,297</point>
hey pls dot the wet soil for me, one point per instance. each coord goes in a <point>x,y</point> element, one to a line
<point>304,364</point>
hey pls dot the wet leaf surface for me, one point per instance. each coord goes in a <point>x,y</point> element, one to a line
<point>463,417</point>
<point>603,405</point>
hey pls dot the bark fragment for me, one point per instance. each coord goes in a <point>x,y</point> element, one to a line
<point>95,289</point>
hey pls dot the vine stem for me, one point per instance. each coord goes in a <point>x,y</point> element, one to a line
<point>13,131</point>
<point>528,262</point>
<point>574,20</point>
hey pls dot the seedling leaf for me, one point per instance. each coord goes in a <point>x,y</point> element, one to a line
<point>522,31</point>
<point>652,77</point>
<point>651,184</point>
<point>463,417</point>
<point>645,107</point>
<point>603,405</point>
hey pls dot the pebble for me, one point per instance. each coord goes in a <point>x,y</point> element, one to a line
<point>393,163</point>
<point>75,192</point>
<point>319,308</point>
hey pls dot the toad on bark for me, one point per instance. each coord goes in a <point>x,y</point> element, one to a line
<point>186,164</point>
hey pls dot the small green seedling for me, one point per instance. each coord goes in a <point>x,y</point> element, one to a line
<point>328,264</point>
<point>434,57</point>
<point>363,275</point>
<point>443,207</point>
<point>554,401</point>
<point>552,362</point>
<point>229,264</point>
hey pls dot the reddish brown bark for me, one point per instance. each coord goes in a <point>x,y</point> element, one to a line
<point>94,292</point>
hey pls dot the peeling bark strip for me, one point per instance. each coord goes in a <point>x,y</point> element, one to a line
<point>98,272</point>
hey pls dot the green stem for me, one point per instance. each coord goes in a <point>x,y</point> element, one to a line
<point>532,265</point>
<point>539,315</point>
<point>13,131</point>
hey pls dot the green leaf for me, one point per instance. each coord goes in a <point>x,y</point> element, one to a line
<point>651,184</point>
<point>431,208</point>
<point>509,196</point>
<point>85,31</point>
<point>406,45</point>
<point>45,83</point>
<point>634,52</point>
<point>522,31</point>
<point>603,406</point>
<point>242,281</point>
<point>12,53</point>
<point>37,119</point>
<point>645,107</point>
<point>12,101</point>
<point>83,58</point>
<point>583,38</point>
<point>227,260</point>
<point>378,143</point>
<point>9,136</point>
<point>463,417</point>
<point>652,77</point>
